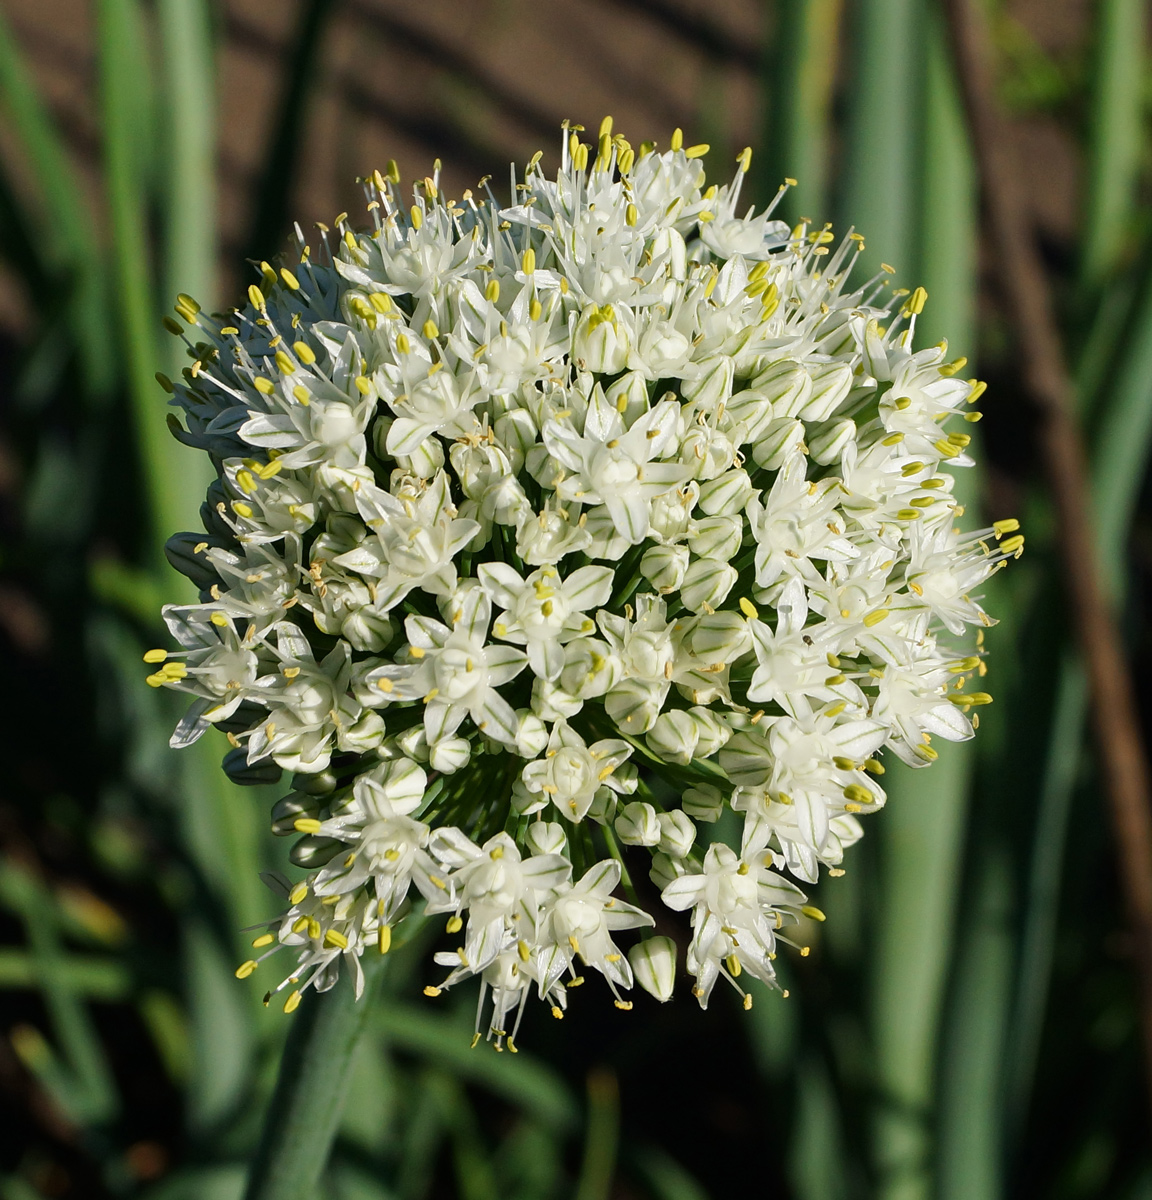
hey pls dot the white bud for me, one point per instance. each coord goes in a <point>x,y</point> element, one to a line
<point>786,384</point>
<point>780,440</point>
<point>677,834</point>
<point>637,825</point>
<point>414,743</point>
<point>831,385</point>
<point>364,734</point>
<point>712,384</point>
<point>727,494</point>
<point>531,735</point>
<point>717,537</point>
<point>634,705</point>
<point>712,732</point>
<point>450,755</point>
<point>367,629</point>
<point>425,460</point>
<point>664,566</point>
<point>665,870</point>
<point>673,737</point>
<point>826,444</point>
<point>546,837</point>
<point>719,637</point>
<point>707,582</point>
<point>516,431</point>
<point>653,963</point>
<point>703,802</point>
<point>753,410</point>
<point>603,806</point>
<point>552,703</point>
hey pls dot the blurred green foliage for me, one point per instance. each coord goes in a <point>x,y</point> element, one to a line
<point>966,1025</point>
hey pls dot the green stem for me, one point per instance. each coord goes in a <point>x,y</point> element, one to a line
<point>304,1113</point>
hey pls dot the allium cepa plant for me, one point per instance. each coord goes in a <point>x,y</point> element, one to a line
<point>575,521</point>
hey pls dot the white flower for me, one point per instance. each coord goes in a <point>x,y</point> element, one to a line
<point>611,505</point>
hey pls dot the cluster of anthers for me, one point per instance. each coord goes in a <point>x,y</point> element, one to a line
<point>607,516</point>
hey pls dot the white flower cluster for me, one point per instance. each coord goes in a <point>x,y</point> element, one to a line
<point>606,516</point>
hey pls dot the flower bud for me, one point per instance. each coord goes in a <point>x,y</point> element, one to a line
<point>414,743</point>
<point>367,629</point>
<point>604,805</point>
<point>546,837</point>
<point>707,582</point>
<point>653,963</point>
<point>633,705</point>
<point>717,537</point>
<point>719,637</point>
<point>450,755</point>
<point>780,439</point>
<point>753,410</point>
<point>364,734</point>
<point>712,733</point>
<point>664,566</point>
<point>727,494</point>
<point>712,384</point>
<point>677,834</point>
<point>286,811</point>
<point>531,734</point>
<point>703,802</point>
<point>311,852</point>
<point>665,870</point>
<point>786,384</point>
<point>552,703</point>
<point>831,384</point>
<point>637,825</point>
<point>829,440</point>
<point>673,737</point>
<point>425,460</point>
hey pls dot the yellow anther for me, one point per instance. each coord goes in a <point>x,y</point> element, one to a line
<point>677,139</point>
<point>630,216</point>
<point>335,940</point>
<point>430,330</point>
<point>403,345</point>
<point>298,893</point>
<point>858,794</point>
<point>528,261</point>
<point>303,352</point>
<point>1008,525</point>
<point>535,308</point>
<point>432,991</point>
<point>747,1001</point>
<point>978,388</point>
<point>744,159</point>
<point>300,394</point>
<point>455,924</point>
<point>306,825</point>
<point>557,1012</point>
<point>256,296</point>
<point>748,608</point>
<point>246,482</point>
<point>219,619</point>
<point>1013,545</point>
<point>893,439</point>
<point>814,913</point>
<point>492,291</point>
<point>263,385</point>
<point>416,215</point>
<point>155,656</point>
<point>290,279</point>
<point>697,151</point>
<point>733,965</point>
<point>914,305</point>
<point>623,1005</point>
<point>293,1002</point>
<point>875,617</point>
<point>874,766</point>
<point>246,968</point>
